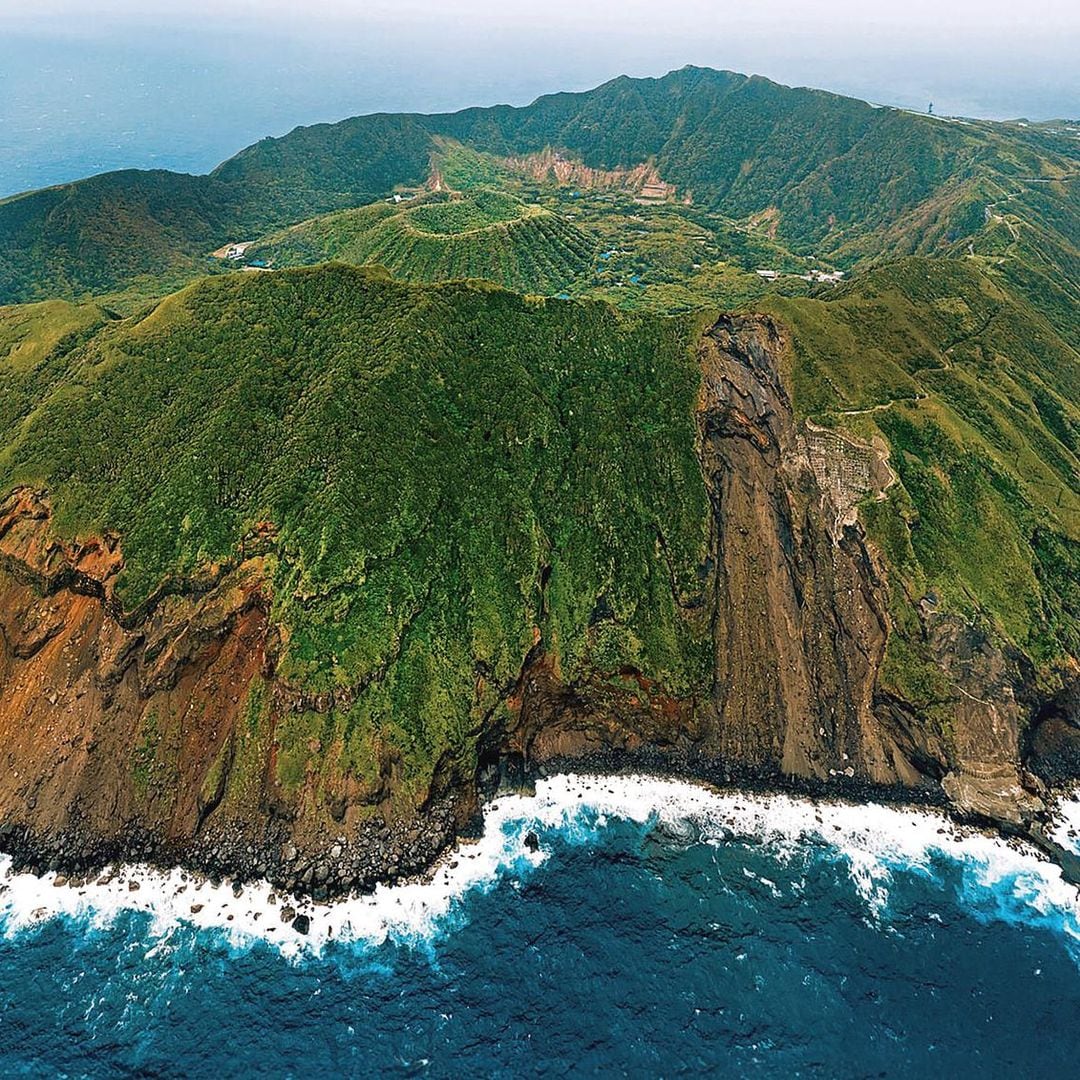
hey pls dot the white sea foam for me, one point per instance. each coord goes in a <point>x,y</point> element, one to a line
<point>998,880</point>
<point>1066,830</point>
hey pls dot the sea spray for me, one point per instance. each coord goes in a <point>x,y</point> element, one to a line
<point>999,880</point>
<point>1066,822</point>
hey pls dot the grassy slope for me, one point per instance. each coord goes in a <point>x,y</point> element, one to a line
<point>425,453</point>
<point>976,395</point>
<point>488,235</point>
<point>36,343</point>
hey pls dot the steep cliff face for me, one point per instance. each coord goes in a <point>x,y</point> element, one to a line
<point>799,624</point>
<point>156,732</point>
<point>801,608</point>
<point>111,723</point>
<point>796,603</point>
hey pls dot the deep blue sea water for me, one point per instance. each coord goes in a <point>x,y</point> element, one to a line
<point>732,937</point>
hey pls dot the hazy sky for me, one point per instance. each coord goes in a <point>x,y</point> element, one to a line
<point>87,85</point>
<point>1052,15</point>
<point>891,47</point>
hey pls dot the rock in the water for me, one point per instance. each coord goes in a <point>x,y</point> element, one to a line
<point>532,841</point>
<point>301,924</point>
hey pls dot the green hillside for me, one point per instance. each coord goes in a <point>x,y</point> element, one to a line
<point>977,397</point>
<point>149,229</point>
<point>451,469</point>
<point>446,467</point>
<point>487,235</point>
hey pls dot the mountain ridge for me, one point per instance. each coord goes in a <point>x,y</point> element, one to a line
<point>837,173</point>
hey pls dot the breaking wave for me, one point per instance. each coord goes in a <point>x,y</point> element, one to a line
<point>994,879</point>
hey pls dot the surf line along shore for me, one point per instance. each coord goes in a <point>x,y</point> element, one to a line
<point>277,865</point>
<point>875,840</point>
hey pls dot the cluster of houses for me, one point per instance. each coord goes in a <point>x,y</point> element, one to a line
<point>233,252</point>
<point>830,276</point>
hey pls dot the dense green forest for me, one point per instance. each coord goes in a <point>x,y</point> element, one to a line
<point>447,468</point>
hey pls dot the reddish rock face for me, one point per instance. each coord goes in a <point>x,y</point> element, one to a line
<point>105,719</point>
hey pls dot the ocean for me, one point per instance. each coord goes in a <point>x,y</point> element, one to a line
<point>660,929</point>
<point>184,92</point>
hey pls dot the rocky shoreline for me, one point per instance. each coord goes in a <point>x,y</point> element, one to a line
<point>375,853</point>
<point>378,853</point>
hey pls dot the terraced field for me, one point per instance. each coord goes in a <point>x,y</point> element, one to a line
<point>487,234</point>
